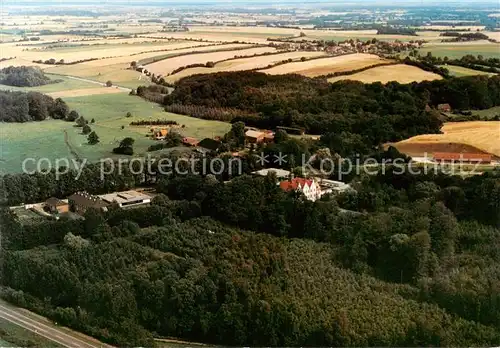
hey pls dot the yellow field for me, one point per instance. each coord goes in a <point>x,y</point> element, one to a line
<point>401,73</point>
<point>166,66</point>
<point>482,135</point>
<point>85,91</point>
<point>318,67</point>
<point>244,64</point>
<point>70,54</point>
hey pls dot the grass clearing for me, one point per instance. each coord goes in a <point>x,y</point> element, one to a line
<point>318,67</point>
<point>459,71</point>
<point>56,139</point>
<point>400,72</point>
<point>457,50</point>
<point>85,91</point>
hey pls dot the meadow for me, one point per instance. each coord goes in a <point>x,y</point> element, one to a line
<point>401,73</point>
<point>459,49</point>
<point>460,71</point>
<point>54,139</point>
<point>65,85</point>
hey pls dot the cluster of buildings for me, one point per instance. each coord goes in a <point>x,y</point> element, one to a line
<point>312,188</point>
<point>78,203</point>
<point>349,46</point>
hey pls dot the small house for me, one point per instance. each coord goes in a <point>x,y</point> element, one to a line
<point>254,137</point>
<point>188,141</point>
<point>160,134</point>
<point>56,206</point>
<point>444,107</point>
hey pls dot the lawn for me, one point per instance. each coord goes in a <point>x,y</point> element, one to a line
<point>458,50</point>
<point>54,139</point>
<point>459,71</point>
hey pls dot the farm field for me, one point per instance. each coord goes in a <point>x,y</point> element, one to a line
<point>459,71</point>
<point>71,53</point>
<point>55,139</point>
<point>318,67</point>
<point>245,64</point>
<point>166,66</point>
<point>400,72</point>
<point>460,49</point>
<point>65,85</point>
<point>116,69</point>
<point>473,136</point>
<point>84,92</point>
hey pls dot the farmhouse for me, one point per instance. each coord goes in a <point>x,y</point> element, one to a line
<point>160,134</point>
<point>254,137</point>
<point>444,107</point>
<point>81,201</point>
<point>55,205</point>
<point>462,157</point>
<point>126,198</point>
<point>190,141</point>
<point>308,187</point>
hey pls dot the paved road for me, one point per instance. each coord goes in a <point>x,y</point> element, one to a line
<point>45,329</point>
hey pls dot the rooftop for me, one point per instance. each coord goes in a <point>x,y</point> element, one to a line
<point>280,173</point>
<point>125,197</point>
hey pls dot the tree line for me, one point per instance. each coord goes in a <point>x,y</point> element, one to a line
<point>31,106</point>
<point>24,76</point>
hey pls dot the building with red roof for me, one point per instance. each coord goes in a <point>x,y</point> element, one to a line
<point>308,187</point>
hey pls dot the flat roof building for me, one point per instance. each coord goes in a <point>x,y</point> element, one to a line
<point>126,198</point>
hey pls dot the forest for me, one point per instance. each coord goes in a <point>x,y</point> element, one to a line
<point>244,263</point>
<point>31,106</point>
<point>24,76</point>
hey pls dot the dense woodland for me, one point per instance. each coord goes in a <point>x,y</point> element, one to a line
<point>374,112</point>
<point>31,106</point>
<point>400,260</point>
<point>24,76</point>
<point>413,261</point>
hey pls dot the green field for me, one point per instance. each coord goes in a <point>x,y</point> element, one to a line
<point>455,51</point>
<point>12,335</point>
<point>489,113</point>
<point>459,71</point>
<point>66,84</point>
<point>55,139</point>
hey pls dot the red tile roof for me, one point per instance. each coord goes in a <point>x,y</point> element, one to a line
<point>190,141</point>
<point>293,184</point>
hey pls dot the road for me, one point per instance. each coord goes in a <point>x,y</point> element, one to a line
<point>45,328</point>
